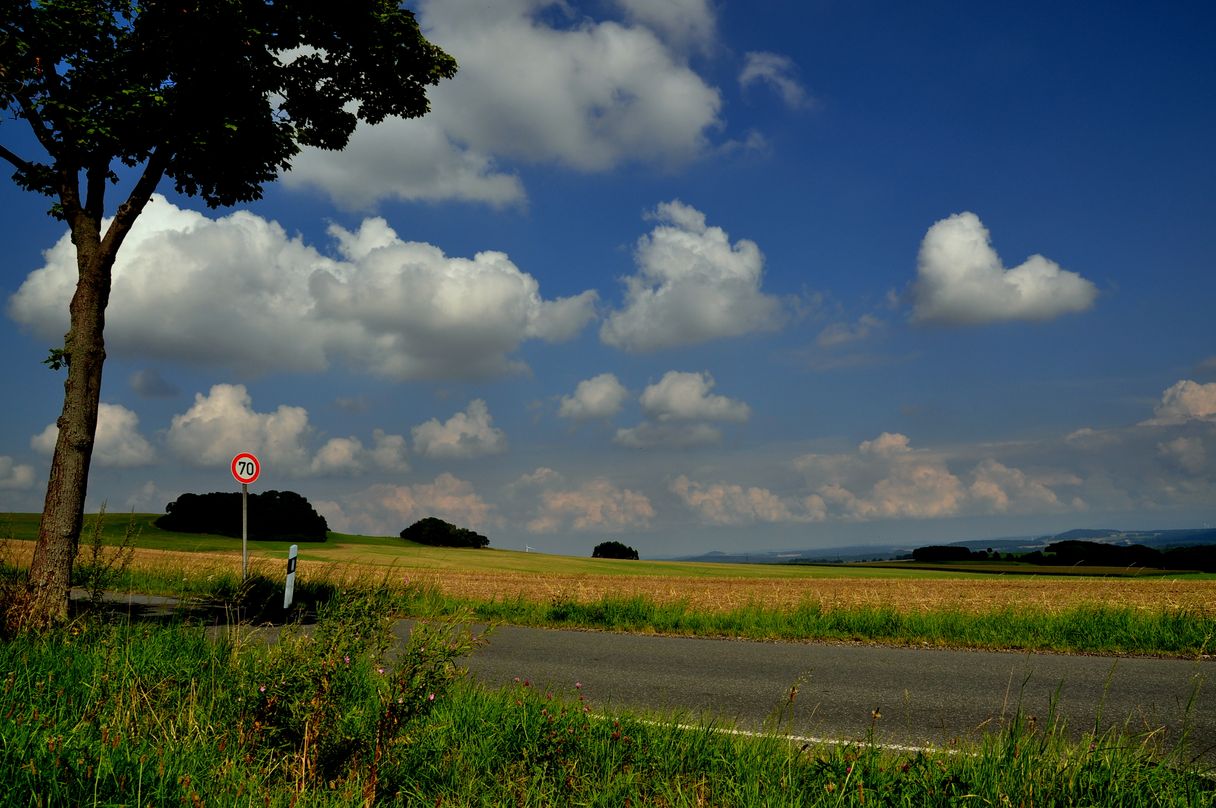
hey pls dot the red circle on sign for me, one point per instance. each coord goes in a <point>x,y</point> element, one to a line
<point>246,467</point>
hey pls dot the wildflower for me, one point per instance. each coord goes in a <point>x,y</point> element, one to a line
<point>261,688</point>
<point>578,685</point>
<point>346,659</point>
<point>431,697</point>
<point>380,671</point>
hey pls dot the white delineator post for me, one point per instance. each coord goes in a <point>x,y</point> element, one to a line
<point>245,468</point>
<point>289,589</point>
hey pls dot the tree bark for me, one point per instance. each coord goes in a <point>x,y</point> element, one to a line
<point>44,602</point>
<point>46,599</point>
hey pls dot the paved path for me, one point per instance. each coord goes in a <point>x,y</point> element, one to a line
<point>924,696</point>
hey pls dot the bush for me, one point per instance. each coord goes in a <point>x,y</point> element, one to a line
<point>275,515</point>
<point>614,549</point>
<point>438,533</point>
<point>937,553</point>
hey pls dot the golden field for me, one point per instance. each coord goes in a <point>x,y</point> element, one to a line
<point>501,575</point>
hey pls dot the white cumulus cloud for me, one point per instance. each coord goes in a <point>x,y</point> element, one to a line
<point>223,422</point>
<point>961,280</point>
<point>888,479</point>
<point>1185,401</point>
<point>692,286</point>
<point>588,95</point>
<point>680,396</point>
<point>14,475</point>
<point>687,24</point>
<point>237,291</point>
<point>601,396</point>
<point>731,504</point>
<point>678,408</point>
<point>466,434</point>
<point>117,443</point>
<point>595,505</point>
<point>386,510</point>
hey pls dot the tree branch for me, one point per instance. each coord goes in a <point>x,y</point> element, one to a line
<point>128,211</point>
<point>22,165</point>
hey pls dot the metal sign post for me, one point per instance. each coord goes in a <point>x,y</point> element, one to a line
<point>245,468</point>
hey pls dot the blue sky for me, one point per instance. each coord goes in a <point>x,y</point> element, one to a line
<point>692,276</point>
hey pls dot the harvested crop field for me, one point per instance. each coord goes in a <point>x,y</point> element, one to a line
<point>907,592</point>
<point>910,594</point>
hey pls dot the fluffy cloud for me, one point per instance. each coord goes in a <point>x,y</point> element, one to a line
<point>595,505</point>
<point>1000,489</point>
<point>687,24</point>
<point>692,286</point>
<point>601,396</point>
<point>386,510</point>
<point>776,71</point>
<point>117,444</point>
<point>887,479</point>
<point>464,435</point>
<point>729,504</point>
<point>961,280</point>
<point>1185,401</point>
<point>237,291</point>
<point>685,397</point>
<point>677,407</point>
<point>588,95</point>
<point>14,475</point>
<point>342,456</point>
<point>224,422</point>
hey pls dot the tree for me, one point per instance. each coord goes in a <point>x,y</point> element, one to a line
<point>941,553</point>
<point>438,533</point>
<point>274,515</point>
<point>614,549</point>
<point>218,96</point>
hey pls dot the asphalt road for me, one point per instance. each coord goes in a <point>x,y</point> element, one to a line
<point>925,697</point>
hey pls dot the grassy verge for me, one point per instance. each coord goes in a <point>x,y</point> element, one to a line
<point>107,714</point>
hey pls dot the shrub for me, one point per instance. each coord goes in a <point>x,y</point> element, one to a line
<point>938,553</point>
<point>272,515</point>
<point>438,533</point>
<point>614,549</point>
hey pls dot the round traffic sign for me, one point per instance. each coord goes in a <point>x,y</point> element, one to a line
<point>246,467</point>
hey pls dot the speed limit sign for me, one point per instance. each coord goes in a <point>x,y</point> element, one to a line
<point>246,468</point>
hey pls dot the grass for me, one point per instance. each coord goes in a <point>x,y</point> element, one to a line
<point>109,714</point>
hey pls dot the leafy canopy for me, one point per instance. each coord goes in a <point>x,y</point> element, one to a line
<point>221,93</point>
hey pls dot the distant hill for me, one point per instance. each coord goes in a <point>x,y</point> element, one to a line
<point>1158,539</point>
<point>1084,534</point>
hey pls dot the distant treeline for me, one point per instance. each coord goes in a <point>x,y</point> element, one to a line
<point>1085,554</point>
<point>274,515</point>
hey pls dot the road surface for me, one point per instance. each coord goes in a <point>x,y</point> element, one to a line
<point>924,697</point>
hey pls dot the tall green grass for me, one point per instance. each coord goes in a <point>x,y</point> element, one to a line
<point>1089,629</point>
<point>140,714</point>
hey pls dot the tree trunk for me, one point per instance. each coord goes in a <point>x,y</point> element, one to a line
<point>46,597</point>
<point>44,601</point>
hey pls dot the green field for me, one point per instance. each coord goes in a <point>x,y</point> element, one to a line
<point>387,551</point>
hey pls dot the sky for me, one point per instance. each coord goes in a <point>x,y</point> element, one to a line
<point>692,275</point>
